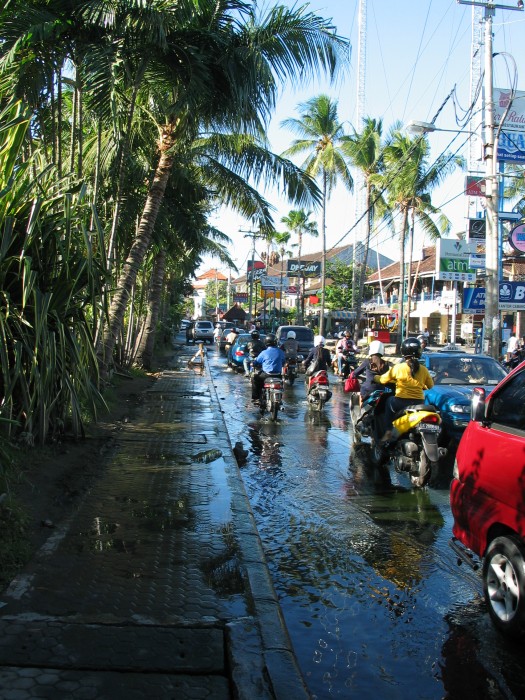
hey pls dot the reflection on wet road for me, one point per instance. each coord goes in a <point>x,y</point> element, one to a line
<point>374,601</point>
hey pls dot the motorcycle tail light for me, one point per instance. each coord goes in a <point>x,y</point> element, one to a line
<point>239,353</point>
<point>432,418</point>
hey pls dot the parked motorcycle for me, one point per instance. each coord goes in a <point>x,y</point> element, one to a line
<point>272,395</point>
<point>413,448</point>
<point>318,392</point>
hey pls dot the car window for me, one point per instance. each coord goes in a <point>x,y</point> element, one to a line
<point>304,335</point>
<point>204,324</point>
<point>471,369</point>
<point>508,405</point>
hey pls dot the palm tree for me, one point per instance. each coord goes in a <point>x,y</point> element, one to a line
<point>321,137</point>
<point>409,181</point>
<point>297,221</point>
<point>221,68</point>
<point>365,151</point>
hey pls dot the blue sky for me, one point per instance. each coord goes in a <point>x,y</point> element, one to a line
<point>416,53</point>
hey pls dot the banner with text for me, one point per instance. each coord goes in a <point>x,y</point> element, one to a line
<point>308,268</point>
<point>511,298</point>
<point>453,260</point>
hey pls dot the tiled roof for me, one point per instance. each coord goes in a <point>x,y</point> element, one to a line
<point>212,275</point>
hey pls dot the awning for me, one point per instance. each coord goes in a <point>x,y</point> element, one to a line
<point>342,315</point>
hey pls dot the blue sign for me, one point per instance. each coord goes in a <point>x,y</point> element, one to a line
<point>511,297</point>
<point>511,146</point>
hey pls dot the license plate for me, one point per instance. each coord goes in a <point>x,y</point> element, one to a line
<point>429,427</point>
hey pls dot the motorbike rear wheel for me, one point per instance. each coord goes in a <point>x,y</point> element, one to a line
<point>274,410</point>
<point>424,472</point>
<point>378,454</point>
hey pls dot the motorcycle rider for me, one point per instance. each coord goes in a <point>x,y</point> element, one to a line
<point>271,360</point>
<point>373,365</point>
<point>344,347</point>
<point>410,377</point>
<point>254,346</point>
<point>290,346</point>
<point>319,353</point>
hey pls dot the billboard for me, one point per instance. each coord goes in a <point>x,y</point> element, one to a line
<point>511,147</point>
<point>308,268</point>
<point>453,260</point>
<point>511,298</point>
<point>515,118</point>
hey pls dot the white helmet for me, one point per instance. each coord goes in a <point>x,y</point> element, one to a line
<point>290,335</point>
<point>318,340</point>
<point>376,347</point>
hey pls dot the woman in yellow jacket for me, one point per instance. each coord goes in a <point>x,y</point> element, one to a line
<point>411,379</point>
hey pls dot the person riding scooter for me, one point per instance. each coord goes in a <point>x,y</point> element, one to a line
<point>343,349</point>
<point>254,346</point>
<point>318,354</point>
<point>411,379</point>
<point>290,347</point>
<point>271,361</point>
<point>373,365</point>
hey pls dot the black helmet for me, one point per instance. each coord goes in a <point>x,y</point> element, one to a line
<point>270,340</point>
<point>411,347</point>
<point>255,335</point>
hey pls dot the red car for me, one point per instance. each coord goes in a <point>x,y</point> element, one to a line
<point>487,497</point>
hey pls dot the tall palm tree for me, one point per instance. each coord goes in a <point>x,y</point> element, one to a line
<point>409,179</point>
<point>321,137</point>
<point>365,151</point>
<point>297,221</point>
<point>222,68</point>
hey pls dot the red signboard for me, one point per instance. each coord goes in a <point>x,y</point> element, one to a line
<point>475,186</point>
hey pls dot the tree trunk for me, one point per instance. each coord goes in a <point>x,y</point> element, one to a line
<point>144,355</point>
<point>357,303</point>
<point>323,257</point>
<point>139,247</point>
<point>401,332</point>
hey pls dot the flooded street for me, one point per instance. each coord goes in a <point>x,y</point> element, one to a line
<point>374,601</point>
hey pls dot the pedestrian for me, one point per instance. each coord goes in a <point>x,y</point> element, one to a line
<point>217,332</point>
<point>479,340</point>
<point>512,345</point>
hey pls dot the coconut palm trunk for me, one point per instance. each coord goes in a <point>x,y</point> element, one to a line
<point>139,247</point>
<point>144,355</point>
<point>323,255</point>
<point>402,245</point>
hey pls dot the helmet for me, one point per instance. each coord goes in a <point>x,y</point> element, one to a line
<point>376,347</point>
<point>318,340</point>
<point>270,340</point>
<point>255,335</point>
<point>411,347</point>
<point>290,335</point>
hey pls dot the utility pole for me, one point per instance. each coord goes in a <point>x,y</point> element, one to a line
<point>492,248</point>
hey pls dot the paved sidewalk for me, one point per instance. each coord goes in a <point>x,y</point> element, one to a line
<point>157,586</point>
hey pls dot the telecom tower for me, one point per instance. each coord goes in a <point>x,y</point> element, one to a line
<point>359,190</point>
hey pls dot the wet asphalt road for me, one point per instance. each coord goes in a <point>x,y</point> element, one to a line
<point>375,603</point>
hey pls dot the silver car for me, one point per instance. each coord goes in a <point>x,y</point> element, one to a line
<point>203,331</point>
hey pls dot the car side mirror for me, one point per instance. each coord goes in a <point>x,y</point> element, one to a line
<point>477,406</point>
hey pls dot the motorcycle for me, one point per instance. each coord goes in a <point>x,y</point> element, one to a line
<point>318,393</point>
<point>413,448</point>
<point>290,369</point>
<point>516,358</point>
<point>272,395</point>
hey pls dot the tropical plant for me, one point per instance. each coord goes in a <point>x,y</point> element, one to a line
<point>365,151</point>
<point>321,137</point>
<point>52,269</point>
<point>297,221</point>
<point>409,179</point>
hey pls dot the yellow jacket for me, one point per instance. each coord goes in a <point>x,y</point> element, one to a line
<point>407,386</point>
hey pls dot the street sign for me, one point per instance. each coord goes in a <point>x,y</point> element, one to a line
<point>274,281</point>
<point>453,260</point>
<point>477,229</point>
<point>511,147</point>
<point>517,238</point>
<point>511,298</point>
<point>308,268</point>
<point>515,117</point>
<point>475,186</point>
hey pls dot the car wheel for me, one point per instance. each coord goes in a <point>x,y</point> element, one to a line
<point>504,584</point>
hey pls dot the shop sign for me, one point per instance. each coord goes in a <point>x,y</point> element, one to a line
<point>453,260</point>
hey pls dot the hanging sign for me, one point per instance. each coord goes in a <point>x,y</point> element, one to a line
<point>515,117</point>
